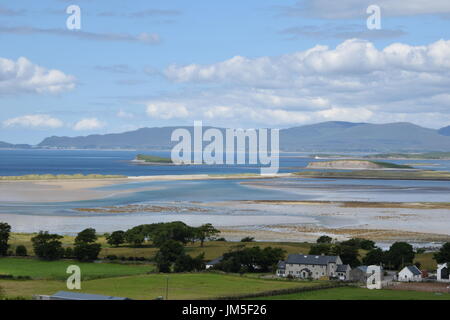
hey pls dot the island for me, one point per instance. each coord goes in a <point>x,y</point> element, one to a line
<point>356,165</point>
<point>149,159</point>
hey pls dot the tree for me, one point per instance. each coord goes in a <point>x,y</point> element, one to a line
<point>320,248</point>
<point>86,236</point>
<point>168,253</point>
<point>86,251</point>
<point>85,248</point>
<point>367,244</point>
<point>21,251</point>
<point>48,246</point>
<point>133,237</point>
<point>324,239</point>
<point>5,230</point>
<point>185,263</point>
<point>375,257</point>
<point>443,255</point>
<point>206,231</point>
<point>248,239</point>
<point>116,238</point>
<point>349,255</point>
<point>400,254</point>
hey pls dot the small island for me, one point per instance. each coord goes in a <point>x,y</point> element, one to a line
<point>149,159</point>
<point>356,165</point>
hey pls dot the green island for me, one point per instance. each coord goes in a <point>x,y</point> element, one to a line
<point>61,177</point>
<point>152,159</point>
<point>356,164</point>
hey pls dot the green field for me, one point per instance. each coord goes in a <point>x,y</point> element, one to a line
<point>350,293</point>
<point>181,286</point>
<point>56,270</point>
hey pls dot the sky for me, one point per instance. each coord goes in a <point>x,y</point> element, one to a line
<point>240,64</point>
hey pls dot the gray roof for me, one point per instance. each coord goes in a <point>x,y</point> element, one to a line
<point>65,295</point>
<point>363,268</point>
<point>415,271</point>
<point>310,259</point>
<point>342,267</point>
<point>215,261</point>
<point>281,265</point>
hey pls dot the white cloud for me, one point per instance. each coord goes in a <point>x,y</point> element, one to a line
<point>125,115</point>
<point>355,81</point>
<point>88,124</point>
<point>34,121</point>
<point>167,110</point>
<point>344,9</point>
<point>22,76</point>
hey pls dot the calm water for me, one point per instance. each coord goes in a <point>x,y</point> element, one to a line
<point>60,217</point>
<point>21,162</point>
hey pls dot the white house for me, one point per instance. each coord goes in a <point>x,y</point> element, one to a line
<point>409,274</point>
<point>443,273</point>
<point>212,263</point>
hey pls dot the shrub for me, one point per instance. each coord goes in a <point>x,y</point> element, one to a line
<point>21,251</point>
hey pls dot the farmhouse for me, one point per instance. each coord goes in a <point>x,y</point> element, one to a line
<point>312,266</point>
<point>409,274</point>
<point>361,273</point>
<point>443,273</point>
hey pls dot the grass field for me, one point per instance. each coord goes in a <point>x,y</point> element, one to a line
<point>56,270</point>
<point>349,293</point>
<point>181,286</point>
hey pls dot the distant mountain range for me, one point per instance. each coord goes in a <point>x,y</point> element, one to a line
<point>326,136</point>
<point>5,145</point>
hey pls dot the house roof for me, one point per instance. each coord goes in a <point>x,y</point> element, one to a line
<point>363,268</point>
<point>414,270</point>
<point>65,295</point>
<point>342,267</point>
<point>281,265</point>
<point>215,261</point>
<point>310,259</point>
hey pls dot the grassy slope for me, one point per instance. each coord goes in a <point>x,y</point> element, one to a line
<point>349,293</point>
<point>56,270</point>
<point>181,286</point>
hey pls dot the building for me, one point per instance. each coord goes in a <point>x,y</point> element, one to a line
<point>343,271</point>
<point>212,263</point>
<point>311,266</point>
<point>362,273</point>
<point>66,295</point>
<point>409,274</point>
<point>443,273</point>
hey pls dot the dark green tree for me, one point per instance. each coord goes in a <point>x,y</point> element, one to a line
<point>168,253</point>
<point>206,231</point>
<point>48,246</point>
<point>443,255</point>
<point>324,239</point>
<point>399,255</point>
<point>5,230</point>
<point>320,248</point>
<point>116,238</point>
<point>185,263</point>
<point>21,251</point>
<point>85,248</point>
<point>375,257</point>
<point>349,255</point>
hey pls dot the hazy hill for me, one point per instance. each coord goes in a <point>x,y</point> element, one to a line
<point>5,145</point>
<point>326,136</point>
<point>445,131</point>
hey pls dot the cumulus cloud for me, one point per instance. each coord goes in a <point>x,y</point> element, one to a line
<point>167,110</point>
<point>344,9</point>
<point>22,76</point>
<point>34,121</point>
<point>88,124</point>
<point>354,81</point>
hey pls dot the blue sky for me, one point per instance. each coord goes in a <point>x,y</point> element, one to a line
<point>229,63</point>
